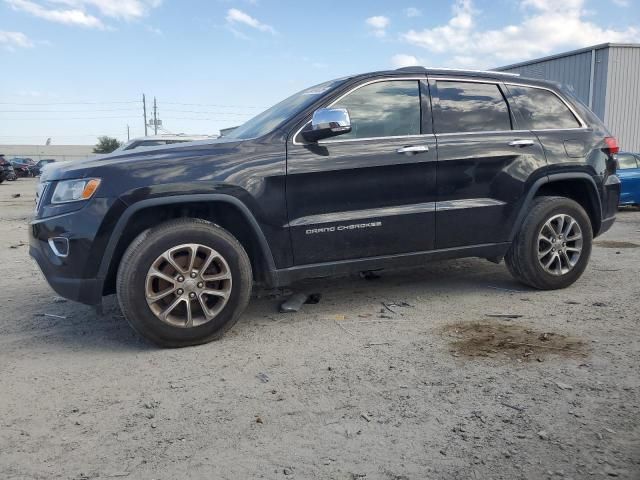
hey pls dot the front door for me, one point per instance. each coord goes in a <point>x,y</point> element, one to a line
<point>370,192</point>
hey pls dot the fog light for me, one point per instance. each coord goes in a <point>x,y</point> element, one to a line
<point>59,246</point>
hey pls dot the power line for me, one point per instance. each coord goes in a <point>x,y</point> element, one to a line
<point>71,111</point>
<point>209,113</point>
<point>68,103</point>
<point>67,118</point>
<point>212,105</point>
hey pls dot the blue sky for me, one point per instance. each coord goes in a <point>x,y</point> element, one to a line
<point>212,64</point>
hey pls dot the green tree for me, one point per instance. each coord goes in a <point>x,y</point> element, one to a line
<point>106,144</point>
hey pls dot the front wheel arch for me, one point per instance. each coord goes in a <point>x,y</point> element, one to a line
<point>127,229</point>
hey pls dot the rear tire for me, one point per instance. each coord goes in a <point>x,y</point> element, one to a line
<point>550,251</point>
<point>158,295</point>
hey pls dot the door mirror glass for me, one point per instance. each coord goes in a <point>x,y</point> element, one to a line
<point>328,122</point>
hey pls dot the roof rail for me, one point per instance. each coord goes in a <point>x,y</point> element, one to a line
<point>461,70</point>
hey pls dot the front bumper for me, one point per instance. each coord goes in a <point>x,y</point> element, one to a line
<point>83,290</point>
<point>73,273</point>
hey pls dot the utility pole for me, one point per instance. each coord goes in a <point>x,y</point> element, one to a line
<point>155,116</point>
<point>128,137</point>
<point>144,110</point>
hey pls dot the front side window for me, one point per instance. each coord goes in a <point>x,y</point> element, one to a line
<point>626,161</point>
<point>541,109</point>
<point>383,109</point>
<point>464,107</point>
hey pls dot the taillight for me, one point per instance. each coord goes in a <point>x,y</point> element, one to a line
<point>611,145</point>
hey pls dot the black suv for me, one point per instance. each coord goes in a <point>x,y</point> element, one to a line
<point>386,169</point>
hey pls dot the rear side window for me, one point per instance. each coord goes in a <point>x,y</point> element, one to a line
<point>383,109</point>
<point>470,107</point>
<point>541,109</point>
<point>626,161</point>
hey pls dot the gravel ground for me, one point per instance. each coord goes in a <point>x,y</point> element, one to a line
<point>415,375</point>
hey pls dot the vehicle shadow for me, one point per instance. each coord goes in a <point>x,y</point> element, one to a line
<point>79,327</point>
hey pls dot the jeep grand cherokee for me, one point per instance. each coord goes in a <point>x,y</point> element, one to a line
<point>380,170</point>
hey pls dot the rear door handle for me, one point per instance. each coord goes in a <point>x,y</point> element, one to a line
<point>521,143</point>
<point>413,149</point>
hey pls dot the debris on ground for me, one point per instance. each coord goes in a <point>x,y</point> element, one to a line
<point>369,275</point>
<point>293,303</point>
<point>365,416</point>
<point>488,339</point>
<point>59,300</point>
<point>263,377</point>
<point>15,195</point>
<point>17,245</point>
<point>503,315</point>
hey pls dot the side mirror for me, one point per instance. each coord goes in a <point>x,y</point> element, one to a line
<point>328,122</point>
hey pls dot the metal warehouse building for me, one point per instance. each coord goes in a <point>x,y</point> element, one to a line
<point>606,77</point>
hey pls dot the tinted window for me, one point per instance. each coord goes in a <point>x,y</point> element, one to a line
<point>626,161</point>
<point>383,109</point>
<point>470,107</point>
<point>541,109</point>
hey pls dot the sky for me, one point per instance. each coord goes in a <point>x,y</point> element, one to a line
<point>71,70</point>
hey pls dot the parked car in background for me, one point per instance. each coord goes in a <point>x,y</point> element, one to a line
<point>6,170</point>
<point>157,140</point>
<point>41,164</point>
<point>629,173</point>
<point>24,167</point>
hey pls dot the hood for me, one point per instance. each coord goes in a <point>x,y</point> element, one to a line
<point>147,157</point>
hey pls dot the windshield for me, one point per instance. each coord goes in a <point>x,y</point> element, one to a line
<point>268,120</point>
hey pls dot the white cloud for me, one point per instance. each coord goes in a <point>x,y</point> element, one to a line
<point>235,16</point>
<point>622,3</point>
<point>13,40</point>
<point>74,12</point>
<point>67,16</point>
<point>548,26</point>
<point>403,60</point>
<point>379,24</point>
<point>412,12</point>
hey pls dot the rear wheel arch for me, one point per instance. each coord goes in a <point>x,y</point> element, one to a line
<point>223,210</point>
<point>577,186</point>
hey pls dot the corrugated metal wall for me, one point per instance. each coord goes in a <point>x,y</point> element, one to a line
<point>622,112</point>
<point>573,71</point>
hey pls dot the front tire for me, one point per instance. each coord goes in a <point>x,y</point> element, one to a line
<point>553,246</point>
<point>185,282</point>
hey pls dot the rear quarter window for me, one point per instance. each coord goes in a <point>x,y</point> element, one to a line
<point>538,109</point>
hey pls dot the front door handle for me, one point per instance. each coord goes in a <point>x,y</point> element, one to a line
<point>521,143</point>
<point>413,149</point>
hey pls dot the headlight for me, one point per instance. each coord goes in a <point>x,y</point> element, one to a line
<point>75,190</point>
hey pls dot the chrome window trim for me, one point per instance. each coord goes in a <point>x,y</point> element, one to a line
<point>582,123</point>
<point>357,87</point>
<point>436,77</point>
<point>363,139</point>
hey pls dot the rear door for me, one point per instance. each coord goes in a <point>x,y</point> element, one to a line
<point>370,192</point>
<point>484,164</point>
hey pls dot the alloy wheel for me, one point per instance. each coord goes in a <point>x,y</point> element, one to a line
<point>188,285</point>
<point>559,244</point>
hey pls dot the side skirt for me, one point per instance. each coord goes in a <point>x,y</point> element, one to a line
<point>287,276</point>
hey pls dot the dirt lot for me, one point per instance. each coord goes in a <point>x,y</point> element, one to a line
<point>416,375</point>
